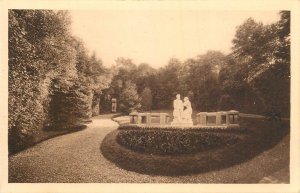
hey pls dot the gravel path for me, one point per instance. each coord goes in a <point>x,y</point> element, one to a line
<point>76,158</point>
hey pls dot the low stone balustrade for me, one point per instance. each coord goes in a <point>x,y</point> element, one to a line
<point>228,119</point>
<point>221,119</point>
<point>149,118</point>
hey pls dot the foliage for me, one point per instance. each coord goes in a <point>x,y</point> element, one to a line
<point>258,77</point>
<point>204,76</point>
<point>146,99</point>
<point>30,73</point>
<point>166,142</point>
<point>167,84</point>
<point>226,103</point>
<point>145,77</point>
<point>52,80</point>
<point>123,86</point>
<point>69,109</point>
<point>129,99</point>
<point>261,135</point>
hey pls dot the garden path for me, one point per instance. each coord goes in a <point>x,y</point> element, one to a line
<point>76,158</point>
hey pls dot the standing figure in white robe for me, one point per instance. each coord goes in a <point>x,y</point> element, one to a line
<point>178,108</point>
<point>187,111</point>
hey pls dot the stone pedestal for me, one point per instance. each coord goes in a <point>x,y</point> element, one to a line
<point>182,123</point>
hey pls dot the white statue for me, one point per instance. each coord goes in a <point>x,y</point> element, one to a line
<point>187,111</point>
<point>178,110</point>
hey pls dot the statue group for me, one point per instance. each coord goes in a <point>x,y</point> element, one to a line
<point>182,112</point>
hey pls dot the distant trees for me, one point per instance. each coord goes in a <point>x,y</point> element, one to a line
<point>167,84</point>
<point>129,99</point>
<point>123,86</point>
<point>52,80</point>
<point>205,80</point>
<point>146,99</point>
<point>254,77</point>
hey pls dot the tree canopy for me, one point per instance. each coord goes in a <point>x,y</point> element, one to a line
<point>55,83</point>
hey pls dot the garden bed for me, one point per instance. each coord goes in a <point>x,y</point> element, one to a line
<point>261,134</point>
<point>174,141</point>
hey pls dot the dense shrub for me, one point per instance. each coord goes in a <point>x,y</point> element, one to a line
<point>52,80</point>
<point>174,141</point>
<point>27,84</point>
<point>70,109</point>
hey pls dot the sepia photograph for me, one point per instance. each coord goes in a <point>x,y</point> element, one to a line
<point>178,95</point>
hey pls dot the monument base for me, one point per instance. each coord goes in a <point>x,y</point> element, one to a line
<point>182,124</point>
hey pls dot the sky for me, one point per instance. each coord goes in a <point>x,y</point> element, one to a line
<point>155,36</point>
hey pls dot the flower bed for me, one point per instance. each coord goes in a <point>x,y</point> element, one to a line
<point>172,141</point>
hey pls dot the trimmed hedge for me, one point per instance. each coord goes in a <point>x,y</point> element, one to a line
<point>260,135</point>
<point>217,128</point>
<point>174,141</point>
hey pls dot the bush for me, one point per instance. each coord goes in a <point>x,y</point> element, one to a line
<point>174,141</point>
<point>69,109</point>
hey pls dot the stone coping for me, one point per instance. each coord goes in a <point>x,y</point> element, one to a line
<point>222,112</point>
<point>152,114</point>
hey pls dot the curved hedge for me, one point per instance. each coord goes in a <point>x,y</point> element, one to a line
<point>261,135</point>
<point>176,141</point>
<point>170,165</point>
<point>219,128</point>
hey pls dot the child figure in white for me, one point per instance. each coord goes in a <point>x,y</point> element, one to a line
<point>187,111</point>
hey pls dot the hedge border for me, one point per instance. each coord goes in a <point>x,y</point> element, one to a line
<point>175,142</point>
<point>169,165</point>
<point>170,128</point>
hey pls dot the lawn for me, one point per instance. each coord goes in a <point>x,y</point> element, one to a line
<point>44,134</point>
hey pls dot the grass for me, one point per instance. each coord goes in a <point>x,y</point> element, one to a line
<point>42,135</point>
<point>262,134</point>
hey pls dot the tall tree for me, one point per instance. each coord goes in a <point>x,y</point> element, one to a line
<point>262,64</point>
<point>25,101</point>
<point>144,76</point>
<point>52,81</point>
<point>146,99</point>
<point>204,77</point>
<point>123,86</point>
<point>167,84</point>
<point>129,99</point>
<point>40,61</point>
